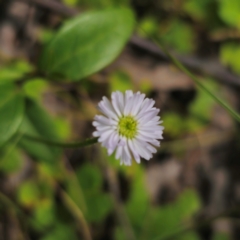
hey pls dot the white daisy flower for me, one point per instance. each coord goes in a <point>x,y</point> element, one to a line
<point>130,126</point>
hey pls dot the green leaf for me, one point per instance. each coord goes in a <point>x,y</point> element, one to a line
<point>28,194</point>
<point>174,124</point>
<point>11,111</point>
<point>90,178</point>
<point>203,104</point>
<point>221,236</point>
<point>60,232</point>
<point>168,220</point>
<point>197,9</point>
<point>229,12</point>
<point>38,123</point>
<point>99,205</point>
<point>88,43</point>
<point>44,213</point>
<point>98,202</point>
<point>12,159</point>
<point>178,35</point>
<point>14,71</point>
<point>35,87</point>
<point>148,27</point>
<point>138,203</point>
<point>120,81</point>
<point>229,55</point>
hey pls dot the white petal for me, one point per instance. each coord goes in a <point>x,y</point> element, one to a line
<point>138,103</point>
<point>133,151</point>
<point>106,108</point>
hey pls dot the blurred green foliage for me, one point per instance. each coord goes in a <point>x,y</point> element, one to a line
<point>84,45</point>
<point>199,114</point>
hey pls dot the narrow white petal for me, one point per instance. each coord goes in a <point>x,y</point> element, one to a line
<point>133,151</point>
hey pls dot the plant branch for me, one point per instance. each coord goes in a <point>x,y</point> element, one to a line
<point>77,213</point>
<point>198,82</point>
<point>84,143</point>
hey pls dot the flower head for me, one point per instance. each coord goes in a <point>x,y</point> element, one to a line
<point>129,125</point>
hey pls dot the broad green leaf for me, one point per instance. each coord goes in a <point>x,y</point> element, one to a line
<point>229,12</point>
<point>11,111</point>
<point>14,71</point>
<point>38,123</point>
<point>87,43</point>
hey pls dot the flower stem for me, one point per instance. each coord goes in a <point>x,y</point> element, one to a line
<point>198,82</point>
<point>84,143</point>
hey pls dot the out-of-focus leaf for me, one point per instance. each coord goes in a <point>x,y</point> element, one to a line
<point>44,213</point>
<point>119,234</point>
<point>148,27</point>
<point>197,9</point>
<point>70,2</point>
<point>11,111</point>
<point>63,127</point>
<point>229,55</point>
<point>14,71</point>
<point>90,178</point>
<point>98,203</point>
<point>169,219</point>
<point>178,35</point>
<point>174,124</point>
<point>203,104</point>
<point>145,86</point>
<point>187,204</point>
<point>120,81</point>
<point>38,123</point>
<point>11,159</point>
<point>45,35</point>
<point>35,87</point>
<point>221,236</point>
<point>60,232</point>
<point>188,236</point>
<point>28,194</point>
<point>88,43</point>
<point>229,12</point>
<point>138,203</point>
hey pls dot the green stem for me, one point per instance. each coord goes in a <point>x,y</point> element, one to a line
<point>77,213</point>
<point>198,82</point>
<point>84,143</point>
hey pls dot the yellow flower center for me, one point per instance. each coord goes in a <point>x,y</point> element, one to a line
<point>127,127</point>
